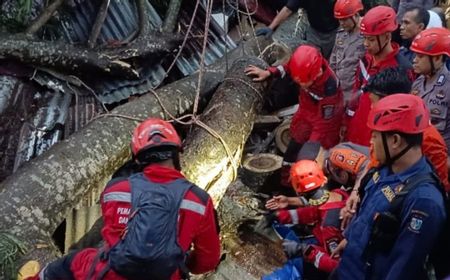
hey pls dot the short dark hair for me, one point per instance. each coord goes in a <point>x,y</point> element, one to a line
<point>414,140</point>
<point>422,14</point>
<point>389,81</point>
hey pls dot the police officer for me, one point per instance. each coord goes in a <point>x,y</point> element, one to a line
<point>433,85</point>
<point>397,123</point>
<point>348,48</point>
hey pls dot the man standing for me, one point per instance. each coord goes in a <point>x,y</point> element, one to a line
<point>322,24</point>
<point>431,47</point>
<point>156,147</point>
<point>413,22</point>
<point>376,27</point>
<point>348,48</point>
<point>383,242</point>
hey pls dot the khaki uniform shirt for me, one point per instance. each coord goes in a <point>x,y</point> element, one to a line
<point>437,97</point>
<point>347,51</point>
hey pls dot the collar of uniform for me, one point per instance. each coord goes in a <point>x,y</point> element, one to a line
<point>386,62</point>
<point>420,166</point>
<point>161,174</point>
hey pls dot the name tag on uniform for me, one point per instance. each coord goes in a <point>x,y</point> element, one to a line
<point>388,193</point>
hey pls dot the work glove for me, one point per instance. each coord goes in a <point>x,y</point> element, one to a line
<point>293,249</point>
<point>265,31</point>
<point>266,221</point>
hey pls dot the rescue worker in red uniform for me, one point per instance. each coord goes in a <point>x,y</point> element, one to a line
<point>320,114</point>
<point>156,145</point>
<point>376,27</point>
<point>322,212</point>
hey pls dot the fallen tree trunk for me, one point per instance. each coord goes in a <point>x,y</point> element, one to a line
<point>79,60</point>
<point>39,195</point>
<point>230,113</point>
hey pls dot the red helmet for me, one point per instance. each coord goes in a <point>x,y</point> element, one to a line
<point>405,113</point>
<point>305,64</point>
<point>433,41</point>
<point>153,133</point>
<point>347,8</point>
<point>378,20</point>
<point>307,175</point>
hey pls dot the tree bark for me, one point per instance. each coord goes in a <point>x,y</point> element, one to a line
<point>80,61</point>
<point>171,18</point>
<point>39,195</point>
<point>231,113</point>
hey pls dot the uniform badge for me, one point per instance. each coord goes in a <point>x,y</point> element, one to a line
<point>398,188</point>
<point>327,111</point>
<point>436,111</point>
<point>388,193</point>
<point>415,224</point>
<point>440,94</point>
<point>441,80</point>
<point>339,42</point>
<point>375,177</point>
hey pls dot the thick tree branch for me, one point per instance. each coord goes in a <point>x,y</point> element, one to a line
<point>101,15</point>
<point>42,19</point>
<point>171,18</point>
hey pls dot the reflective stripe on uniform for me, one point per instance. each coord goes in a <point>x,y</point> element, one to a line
<point>315,96</point>
<point>294,216</point>
<point>282,71</point>
<point>42,273</point>
<point>193,206</point>
<point>117,196</point>
<point>317,259</point>
<point>364,70</point>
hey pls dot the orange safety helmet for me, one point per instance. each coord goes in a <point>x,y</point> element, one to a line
<point>305,64</point>
<point>154,133</point>
<point>347,159</point>
<point>405,113</point>
<point>307,175</point>
<point>378,20</point>
<point>347,8</point>
<point>433,42</point>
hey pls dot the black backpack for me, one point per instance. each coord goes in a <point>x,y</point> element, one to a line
<point>149,248</point>
<point>386,226</point>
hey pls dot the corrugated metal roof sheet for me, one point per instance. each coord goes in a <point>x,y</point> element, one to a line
<point>122,22</point>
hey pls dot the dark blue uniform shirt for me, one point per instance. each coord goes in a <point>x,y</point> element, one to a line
<point>422,218</point>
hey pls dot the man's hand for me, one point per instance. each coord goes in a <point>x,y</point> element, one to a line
<point>265,31</point>
<point>258,73</point>
<point>349,210</point>
<point>277,202</point>
<point>338,251</point>
<point>293,249</point>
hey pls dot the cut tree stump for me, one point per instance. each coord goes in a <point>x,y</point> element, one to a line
<point>283,136</point>
<point>257,169</point>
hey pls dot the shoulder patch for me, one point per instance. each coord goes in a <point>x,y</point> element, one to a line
<point>440,94</point>
<point>441,80</point>
<point>417,218</point>
<point>200,193</point>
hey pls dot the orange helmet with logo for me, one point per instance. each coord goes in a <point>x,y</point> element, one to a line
<point>433,41</point>
<point>307,175</point>
<point>347,159</point>
<point>347,8</point>
<point>154,133</point>
<point>378,20</point>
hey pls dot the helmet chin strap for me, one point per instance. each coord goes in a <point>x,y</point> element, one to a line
<point>380,48</point>
<point>390,160</point>
<point>354,24</point>
<point>433,68</point>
